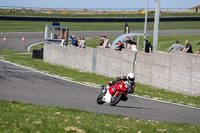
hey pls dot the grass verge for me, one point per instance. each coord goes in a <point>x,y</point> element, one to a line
<point>20,117</point>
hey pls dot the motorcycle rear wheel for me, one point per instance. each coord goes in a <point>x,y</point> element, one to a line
<point>115,99</point>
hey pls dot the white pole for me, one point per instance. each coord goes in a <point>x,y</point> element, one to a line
<point>46,32</point>
<point>145,25</point>
<point>156,25</point>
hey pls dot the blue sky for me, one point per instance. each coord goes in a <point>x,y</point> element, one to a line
<point>99,3</point>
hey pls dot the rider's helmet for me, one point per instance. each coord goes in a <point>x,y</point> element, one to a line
<point>131,77</point>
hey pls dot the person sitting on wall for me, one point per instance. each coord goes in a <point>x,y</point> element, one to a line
<point>82,42</point>
<point>127,42</point>
<point>106,43</point>
<point>101,41</point>
<point>74,41</point>
<point>188,48</point>
<point>176,47</point>
<point>133,48</point>
<point>133,45</point>
<point>120,46</point>
<point>133,41</point>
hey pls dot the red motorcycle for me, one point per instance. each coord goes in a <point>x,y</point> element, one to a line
<point>113,94</point>
<point>116,91</point>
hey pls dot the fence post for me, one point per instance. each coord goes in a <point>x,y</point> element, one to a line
<point>94,61</point>
<point>156,25</point>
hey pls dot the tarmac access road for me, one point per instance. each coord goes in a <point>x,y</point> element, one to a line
<point>25,85</point>
<point>14,39</point>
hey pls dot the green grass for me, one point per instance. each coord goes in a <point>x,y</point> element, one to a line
<point>164,95</point>
<point>35,26</point>
<point>16,117</point>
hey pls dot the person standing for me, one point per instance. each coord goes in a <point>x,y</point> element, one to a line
<point>148,47</point>
<point>126,28</point>
<point>188,47</point>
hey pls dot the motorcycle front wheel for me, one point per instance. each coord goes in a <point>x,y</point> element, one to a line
<point>115,99</point>
<point>99,99</point>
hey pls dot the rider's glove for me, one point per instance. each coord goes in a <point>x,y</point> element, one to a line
<point>110,83</point>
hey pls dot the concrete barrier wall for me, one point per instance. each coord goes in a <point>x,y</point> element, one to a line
<point>175,71</point>
<point>113,63</point>
<point>71,57</point>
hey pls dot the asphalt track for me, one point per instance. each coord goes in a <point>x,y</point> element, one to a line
<point>22,84</point>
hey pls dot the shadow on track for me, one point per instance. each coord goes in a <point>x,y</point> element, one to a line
<point>134,107</point>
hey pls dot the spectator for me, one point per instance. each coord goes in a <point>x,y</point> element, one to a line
<point>106,43</point>
<point>133,45</point>
<point>126,28</point>
<point>198,52</point>
<point>82,43</point>
<point>188,48</point>
<point>148,47</point>
<point>101,41</point>
<point>133,41</point>
<point>176,47</point>
<point>119,46</point>
<point>127,42</point>
<point>74,40</point>
<point>133,48</point>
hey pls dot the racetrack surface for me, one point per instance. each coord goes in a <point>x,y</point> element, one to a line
<point>14,40</point>
<point>21,84</point>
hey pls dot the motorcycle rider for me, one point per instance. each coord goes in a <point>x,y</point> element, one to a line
<point>129,81</point>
